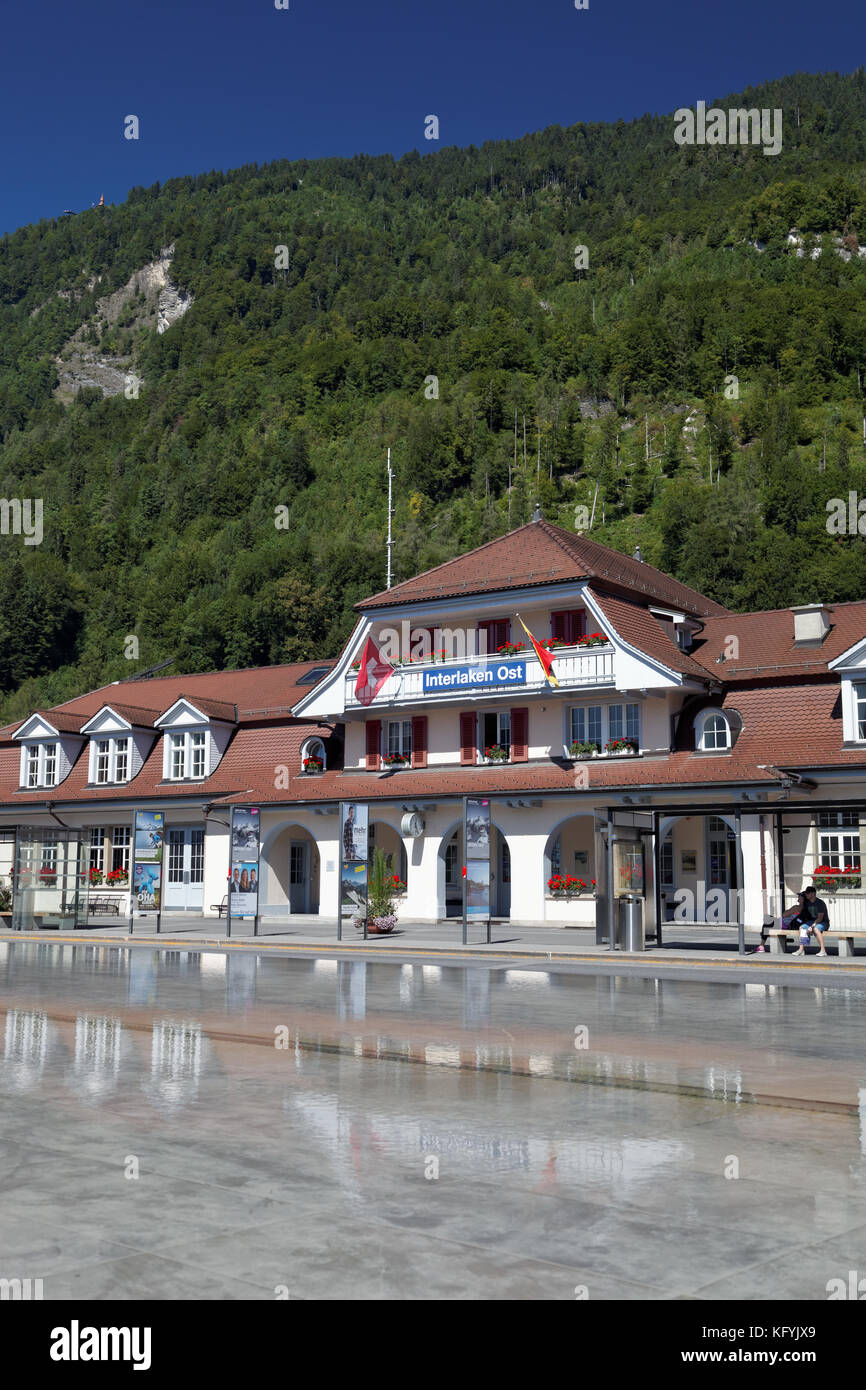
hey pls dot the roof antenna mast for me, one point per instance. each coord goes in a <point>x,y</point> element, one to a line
<point>390,512</point>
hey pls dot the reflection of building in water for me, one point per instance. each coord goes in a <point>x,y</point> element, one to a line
<point>178,1053</point>
<point>96,1065</point>
<point>28,1037</point>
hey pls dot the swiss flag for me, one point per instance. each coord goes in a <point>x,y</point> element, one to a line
<point>373,674</point>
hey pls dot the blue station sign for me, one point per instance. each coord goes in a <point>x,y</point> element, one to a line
<point>479,677</point>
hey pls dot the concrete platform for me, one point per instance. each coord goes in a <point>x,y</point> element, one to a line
<point>713,944</point>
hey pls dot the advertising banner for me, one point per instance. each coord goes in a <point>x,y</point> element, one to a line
<point>244,876</point>
<point>149,837</point>
<point>354,840</point>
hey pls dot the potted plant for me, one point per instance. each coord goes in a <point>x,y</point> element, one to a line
<point>622,747</point>
<point>591,639</point>
<point>496,753</point>
<point>313,764</point>
<point>510,648</point>
<point>582,750</point>
<point>396,759</point>
<point>117,878</point>
<point>381,917</point>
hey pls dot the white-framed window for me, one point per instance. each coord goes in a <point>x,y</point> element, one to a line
<point>178,756</point>
<point>97,849</point>
<point>398,738</point>
<point>40,764</point>
<point>197,746</point>
<point>48,865</point>
<point>494,728</point>
<point>121,759</point>
<point>860,712</point>
<point>839,843</point>
<point>103,760</point>
<point>120,845</point>
<point>599,724</point>
<point>624,722</point>
<point>712,732</point>
<point>586,724</point>
<point>187,756</point>
<point>313,748</point>
<point>666,862</point>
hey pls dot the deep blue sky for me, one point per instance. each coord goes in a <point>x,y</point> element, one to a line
<point>219,83</point>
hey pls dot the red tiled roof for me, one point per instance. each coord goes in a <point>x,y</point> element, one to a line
<point>59,719</point>
<point>139,718</point>
<point>766,642</point>
<point>253,761</point>
<point>214,709</point>
<point>641,629</point>
<point>540,553</point>
<point>262,692</point>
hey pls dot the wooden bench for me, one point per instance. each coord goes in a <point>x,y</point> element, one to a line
<point>778,937</point>
<point>220,908</point>
<point>110,906</point>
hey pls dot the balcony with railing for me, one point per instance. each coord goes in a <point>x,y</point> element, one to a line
<point>576,668</point>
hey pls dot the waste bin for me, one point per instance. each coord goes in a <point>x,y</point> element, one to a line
<point>629,923</point>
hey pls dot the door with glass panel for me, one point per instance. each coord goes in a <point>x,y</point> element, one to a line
<point>721,874</point>
<point>183,879</point>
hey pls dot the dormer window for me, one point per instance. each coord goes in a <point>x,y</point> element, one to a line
<point>187,756</point>
<point>40,760</point>
<point>313,755</point>
<point>111,760</point>
<point>712,732</point>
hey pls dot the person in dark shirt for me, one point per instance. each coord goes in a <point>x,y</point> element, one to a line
<point>819,917</point>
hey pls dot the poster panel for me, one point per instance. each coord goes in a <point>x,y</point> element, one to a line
<point>354,822</point>
<point>477,828</point>
<point>353,888</point>
<point>148,840</point>
<point>244,878</point>
<point>476,837</point>
<point>478,888</point>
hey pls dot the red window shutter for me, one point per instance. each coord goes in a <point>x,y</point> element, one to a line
<point>568,624</point>
<point>467,738</point>
<point>374,744</point>
<point>498,633</point>
<point>519,735</point>
<point>419,741</point>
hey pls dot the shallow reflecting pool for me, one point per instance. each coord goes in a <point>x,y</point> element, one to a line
<point>180,1124</point>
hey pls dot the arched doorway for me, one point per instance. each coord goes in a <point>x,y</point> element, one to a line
<point>570,850</point>
<point>290,864</point>
<point>452,861</point>
<point>699,876</point>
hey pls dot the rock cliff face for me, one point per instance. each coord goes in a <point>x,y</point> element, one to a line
<point>102,352</point>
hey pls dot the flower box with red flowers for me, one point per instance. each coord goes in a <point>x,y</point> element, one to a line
<point>511,648</point>
<point>621,746</point>
<point>591,639</point>
<point>313,764</point>
<point>497,754</point>
<point>397,759</point>
<point>829,879</point>
<point>569,886</point>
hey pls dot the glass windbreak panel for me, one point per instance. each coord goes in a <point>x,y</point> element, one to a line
<point>628,867</point>
<point>50,879</point>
